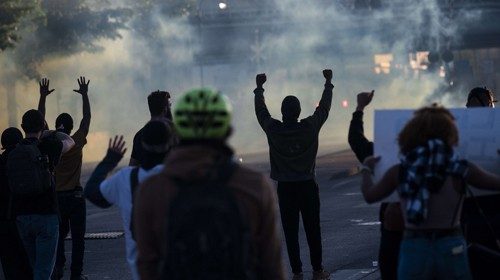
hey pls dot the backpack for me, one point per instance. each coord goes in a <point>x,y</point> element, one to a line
<point>28,170</point>
<point>207,235</point>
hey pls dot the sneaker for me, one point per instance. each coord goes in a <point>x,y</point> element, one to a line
<point>321,275</point>
<point>79,277</point>
<point>298,276</point>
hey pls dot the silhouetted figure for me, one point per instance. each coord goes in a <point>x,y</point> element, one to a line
<point>159,108</point>
<point>204,216</point>
<point>475,224</point>
<point>430,181</point>
<point>30,170</point>
<point>392,224</point>
<point>15,263</point>
<point>293,146</point>
<point>72,209</point>
<point>121,187</point>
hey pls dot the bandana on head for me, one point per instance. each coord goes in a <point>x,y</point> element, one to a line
<point>424,171</point>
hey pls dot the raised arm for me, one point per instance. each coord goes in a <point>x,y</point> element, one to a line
<point>263,115</point>
<point>116,150</point>
<point>361,146</point>
<point>83,91</point>
<point>321,113</point>
<point>482,179</point>
<point>44,92</point>
<point>376,192</point>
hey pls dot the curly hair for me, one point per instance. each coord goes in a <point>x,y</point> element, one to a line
<point>432,122</point>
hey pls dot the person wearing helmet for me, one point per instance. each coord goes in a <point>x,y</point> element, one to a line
<point>204,216</point>
<point>120,188</point>
<point>480,97</point>
<point>293,146</point>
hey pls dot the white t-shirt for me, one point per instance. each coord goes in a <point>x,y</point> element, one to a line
<point>116,190</point>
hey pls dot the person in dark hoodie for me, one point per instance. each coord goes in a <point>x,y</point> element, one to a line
<point>15,263</point>
<point>203,196</point>
<point>390,216</point>
<point>293,146</point>
<point>120,188</point>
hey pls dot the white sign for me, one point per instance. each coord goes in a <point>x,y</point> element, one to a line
<point>479,138</point>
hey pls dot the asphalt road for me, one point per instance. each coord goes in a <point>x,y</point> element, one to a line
<point>350,230</point>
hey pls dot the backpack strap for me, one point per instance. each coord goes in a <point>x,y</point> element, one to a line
<point>134,182</point>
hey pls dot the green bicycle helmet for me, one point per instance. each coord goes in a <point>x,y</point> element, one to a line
<point>202,114</point>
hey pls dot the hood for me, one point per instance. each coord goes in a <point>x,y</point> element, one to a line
<point>196,162</point>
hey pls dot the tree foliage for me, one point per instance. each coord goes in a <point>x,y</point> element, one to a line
<point>12,13</point>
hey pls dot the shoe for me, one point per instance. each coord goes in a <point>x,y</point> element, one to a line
<point>321,275</point>
<point>79,277</point>
<point>298,276</point>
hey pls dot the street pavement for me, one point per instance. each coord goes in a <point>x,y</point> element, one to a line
<point>350,228</point>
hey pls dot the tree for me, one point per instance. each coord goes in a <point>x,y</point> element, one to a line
<point>11,16</point>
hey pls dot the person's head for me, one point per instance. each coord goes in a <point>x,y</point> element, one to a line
<point>290,108</point>
<point>158,103</point>
<point>64,123</point>
<point>156,141</point>
<point>434,122</point>
<point>10,137</point>
<point>480,97</point>
<point>32,122</point>
<point>203,114</point>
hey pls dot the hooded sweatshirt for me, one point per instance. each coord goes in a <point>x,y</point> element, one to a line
<point>192,163</point>
<point>293,145</point>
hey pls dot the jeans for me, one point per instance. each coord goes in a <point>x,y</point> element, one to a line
<point>297,198</point>
<point>15,263</point>
<point>426,258</point>
<point>39,234</point>
<point>72,212</point>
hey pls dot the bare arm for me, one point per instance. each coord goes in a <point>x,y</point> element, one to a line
<point>482,179</point>
<point>376,192</point>
<point>83,90</point>
<point>44,92</point>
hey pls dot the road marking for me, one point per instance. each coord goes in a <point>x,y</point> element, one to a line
<point>369,224</point>
<point>352,193</point>
<point>344,182</point>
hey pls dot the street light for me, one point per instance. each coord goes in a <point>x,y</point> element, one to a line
<point>222,5</point>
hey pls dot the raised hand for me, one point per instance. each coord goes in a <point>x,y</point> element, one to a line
<point>84,86</point>
<point>44,87</point>
<point>364,98</point>
<point>260,79</point>
<point>328,74</point>
<point>117,145</point>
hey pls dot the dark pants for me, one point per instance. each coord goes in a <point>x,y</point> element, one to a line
<point>39,234</point>
<point>477,232</point>
<point>72,212</point>
<point>388,254</point>
<point>301,198</point>
<point>15,262</point>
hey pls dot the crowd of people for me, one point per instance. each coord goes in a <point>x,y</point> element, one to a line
<point>190,211</point>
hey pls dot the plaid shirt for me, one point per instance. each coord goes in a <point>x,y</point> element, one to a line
<point>424,171</point>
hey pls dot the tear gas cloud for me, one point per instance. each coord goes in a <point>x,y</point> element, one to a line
<point>125,70</point>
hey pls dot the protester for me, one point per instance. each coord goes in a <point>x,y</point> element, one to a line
<point>221,217</point>
<point>159,108</point>
<point>390,216</point>
<point>72,210</point>
<point>120,188</point>
<point>30,168</point>
<point>430,181</point>
<point>479,213</point>
<point>293,146</point>
<point>15,263</point>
